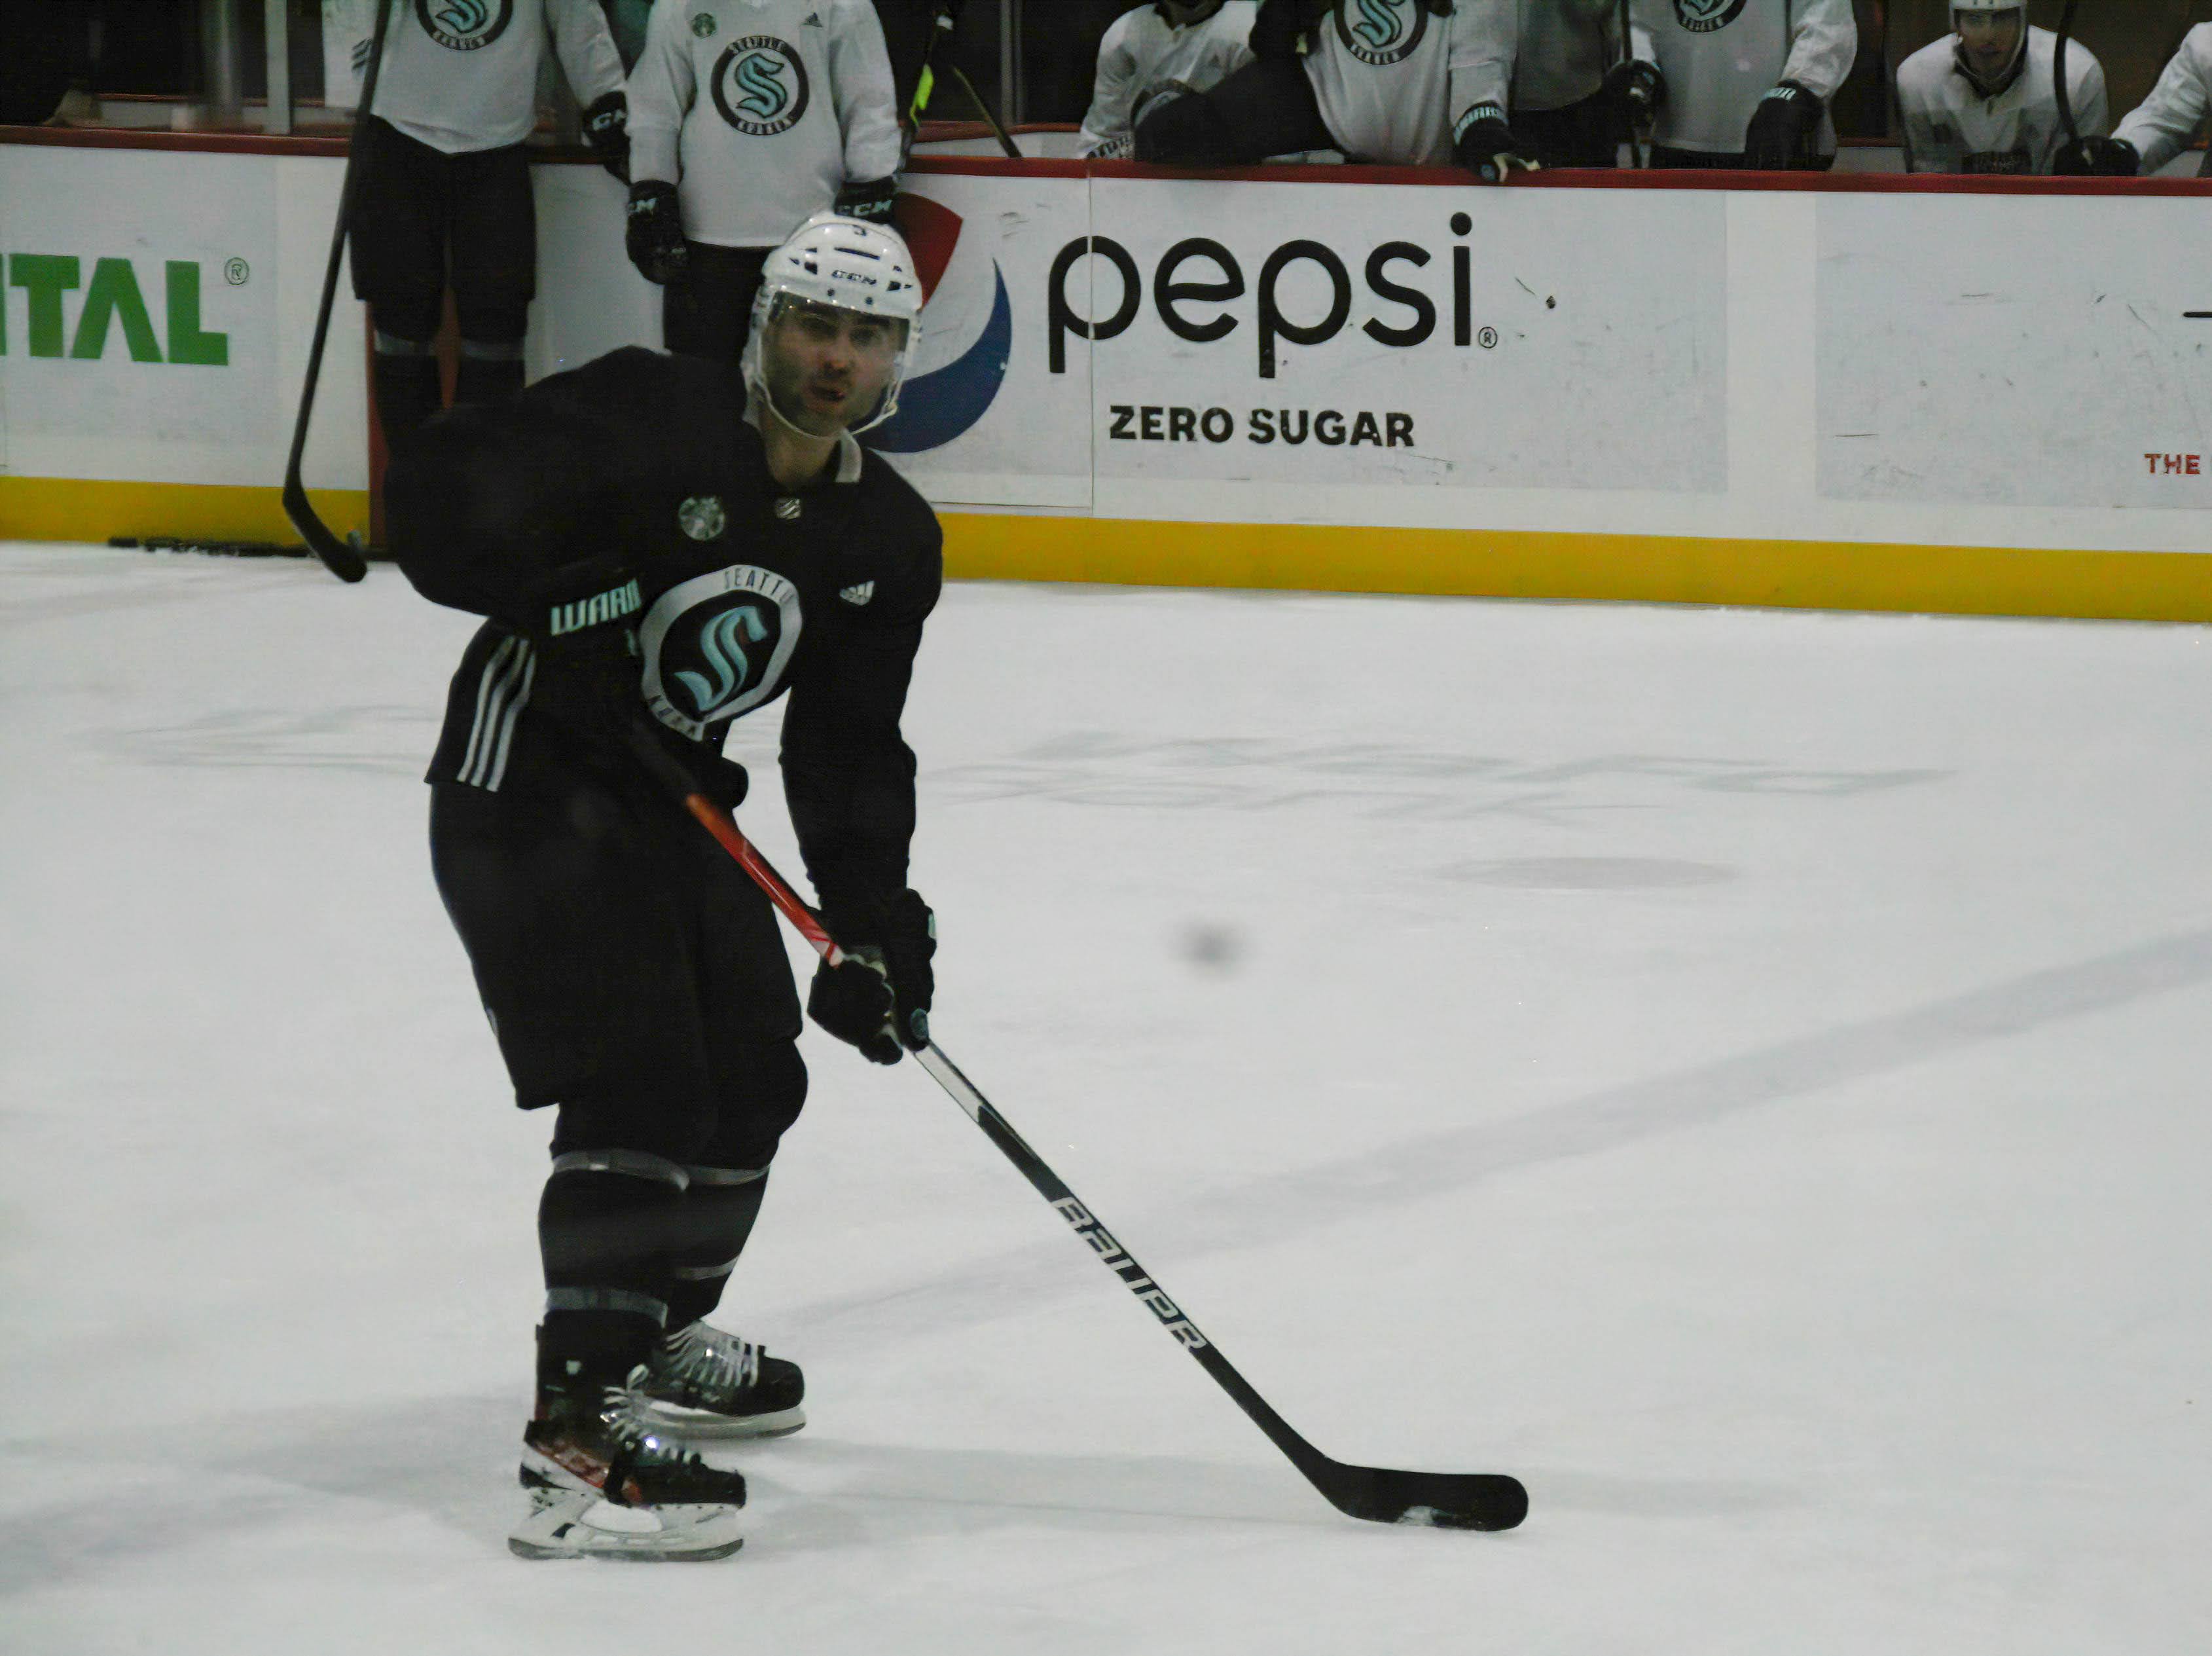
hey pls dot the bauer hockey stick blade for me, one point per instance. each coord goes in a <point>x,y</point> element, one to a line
<point>340,559</point>
<point>1451,1500</point>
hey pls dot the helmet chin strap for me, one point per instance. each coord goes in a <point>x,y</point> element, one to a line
<point>768,401</point>
<point>767,398</point>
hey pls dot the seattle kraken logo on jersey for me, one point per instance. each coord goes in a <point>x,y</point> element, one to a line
<point>722,642</point>
<point>716,646</point>
<point>761,86</point>
<point>465,25</point>
<point>1704,16</point>
<point>1382,32</point>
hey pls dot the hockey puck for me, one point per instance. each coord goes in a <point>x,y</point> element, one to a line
<point>1212,947</point>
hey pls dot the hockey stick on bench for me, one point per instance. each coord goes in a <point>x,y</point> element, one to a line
<point>1458,1500</point>
<point>343,561</point>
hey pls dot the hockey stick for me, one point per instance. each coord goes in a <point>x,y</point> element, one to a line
<point>207,548</point>
<point>2058,72</point>
<point>1454,1500</point>
<point>1628,56</point>
<point>942,28</point>
<point>341,560</point>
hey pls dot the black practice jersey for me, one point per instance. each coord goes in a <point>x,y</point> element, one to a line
<point>642,568</point>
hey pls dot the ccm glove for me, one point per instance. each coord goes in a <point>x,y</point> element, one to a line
<point>872,201</point>
<point>654,234</point>
<point>1781,127</point>
<point>606,129</point>
<point>878,1000</point>
<point>1636,87</point>
<point>1487,148</point>
<point>2094,157</point>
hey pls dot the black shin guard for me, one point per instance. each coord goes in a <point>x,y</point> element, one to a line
<point>605,1228</point>
<point>406,386</point>
<point>711,1228</point>
<point>489,371</point>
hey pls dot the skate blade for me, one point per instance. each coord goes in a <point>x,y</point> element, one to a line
<point>585,1526</point>
<point>705,1425</point>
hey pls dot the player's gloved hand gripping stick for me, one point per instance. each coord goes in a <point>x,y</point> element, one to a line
<point>1459,1500</point>
<point>2093,156</point>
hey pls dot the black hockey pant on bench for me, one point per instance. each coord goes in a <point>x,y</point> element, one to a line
<point>1266,108</point>
<point>423,219</point>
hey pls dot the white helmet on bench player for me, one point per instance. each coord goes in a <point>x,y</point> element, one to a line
<point>846,265</point>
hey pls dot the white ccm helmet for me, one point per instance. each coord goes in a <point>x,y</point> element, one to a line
<point>2010,72</point>
<point>851,265</point>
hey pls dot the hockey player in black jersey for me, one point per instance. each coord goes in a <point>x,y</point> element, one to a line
<point>662,546</point>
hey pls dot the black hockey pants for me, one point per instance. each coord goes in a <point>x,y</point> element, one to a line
<point>635,980</point>
<point>708,311</point>
<point>423,220</point>
<point>1588,133</point>
<point>1266,108</point>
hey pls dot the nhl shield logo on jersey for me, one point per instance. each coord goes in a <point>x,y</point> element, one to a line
<point>716,646</point>
<point>1704,16</point>
<point>1382,32</point>
<point>761,86</point>
<point>465,25</point>
<point>702,516</point>
<point>704,25</point>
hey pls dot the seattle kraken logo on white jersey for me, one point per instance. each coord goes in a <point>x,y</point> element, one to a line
<point>465,25</point>
<point>1382,32</point>
<point>761,86</point>
<point>1704,16</point>
<point>717,645</point>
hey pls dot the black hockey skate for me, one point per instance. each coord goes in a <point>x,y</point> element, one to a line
<point>606,1483</point>
<point>703,1383</point>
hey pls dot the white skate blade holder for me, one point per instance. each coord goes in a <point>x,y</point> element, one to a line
<point>704,1424</point>
<point>574,1525</point>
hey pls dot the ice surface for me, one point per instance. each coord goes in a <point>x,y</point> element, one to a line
<point>1744,1074</point>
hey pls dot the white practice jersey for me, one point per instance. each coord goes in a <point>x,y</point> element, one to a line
<point>461,75</point>
<point>1557,52</point>
<point>1721,56</point>
<point>760,110</point>
<point>1393,79</point>
<point>1949,127</point>
<point>2162,123</point>
<point>1143,52</point>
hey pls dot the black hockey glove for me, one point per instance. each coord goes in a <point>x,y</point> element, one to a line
<point>1281,28</point>
<point>2095,158</point>
<point>606,129</point>
<point>1636,87</point>
<point>1487,148</point>
<point>1780,135</point>
<point>878,1000</point>
<point>654,235</point>
<point>872,201</point>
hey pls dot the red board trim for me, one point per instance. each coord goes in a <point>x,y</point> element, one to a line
<point>260,143</point>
